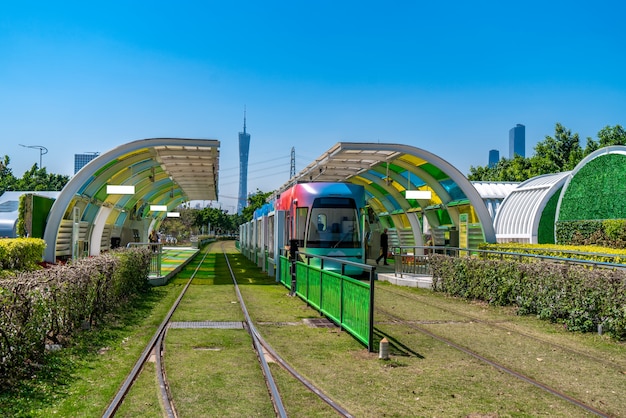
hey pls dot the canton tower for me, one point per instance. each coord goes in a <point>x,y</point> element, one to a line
<point>244,148</point>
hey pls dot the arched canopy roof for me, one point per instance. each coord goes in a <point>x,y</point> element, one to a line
<point>387,171</point>
<point>519,215</point>
<point>163,171</point>
<point>493,193</point>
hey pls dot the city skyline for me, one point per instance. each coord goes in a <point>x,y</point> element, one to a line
<point>81,77</point>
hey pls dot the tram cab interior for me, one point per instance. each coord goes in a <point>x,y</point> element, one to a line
<point>333,223</point>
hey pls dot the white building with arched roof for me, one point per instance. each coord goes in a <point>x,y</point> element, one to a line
<point>520,214</point>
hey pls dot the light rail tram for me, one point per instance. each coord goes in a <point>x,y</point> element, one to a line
<point>321,218</point>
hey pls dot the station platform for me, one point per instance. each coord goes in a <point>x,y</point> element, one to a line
<point>173,259</point>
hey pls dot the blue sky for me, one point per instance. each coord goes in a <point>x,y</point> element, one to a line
<point>449,77</point>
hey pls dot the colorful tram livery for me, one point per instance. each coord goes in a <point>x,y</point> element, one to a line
<point>323,219</point>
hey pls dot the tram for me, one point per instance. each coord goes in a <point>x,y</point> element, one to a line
<point>321,218</point>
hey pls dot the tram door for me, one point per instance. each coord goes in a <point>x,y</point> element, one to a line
<point>297,223</point>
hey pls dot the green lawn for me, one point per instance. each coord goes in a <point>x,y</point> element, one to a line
<point>214,372</point>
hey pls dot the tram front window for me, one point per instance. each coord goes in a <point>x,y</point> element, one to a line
<point>333,223</point>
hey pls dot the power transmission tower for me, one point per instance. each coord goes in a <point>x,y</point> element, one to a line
<point>292,172</point>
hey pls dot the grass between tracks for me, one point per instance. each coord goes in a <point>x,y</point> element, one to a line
<point>213,372</point>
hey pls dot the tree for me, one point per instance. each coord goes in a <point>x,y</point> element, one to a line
<point>218,219</point>
<point>35,179</point>
<point>38,179</point>
<point>516,169</point>
<point>560,153</point>
<point>183,227</point>
<point>7,179</point>
<point>607,136</point>
<point>255,201</point>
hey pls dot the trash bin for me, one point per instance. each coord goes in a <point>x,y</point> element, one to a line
<point>115,242</point>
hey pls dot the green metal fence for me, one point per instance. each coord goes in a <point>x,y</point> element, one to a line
<point>156,256</point>
<point>285,272</point>
<point>346,301</point>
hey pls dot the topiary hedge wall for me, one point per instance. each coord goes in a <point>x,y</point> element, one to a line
<point>596,191</point>
<point>607,233</point>
<point>545,233</point>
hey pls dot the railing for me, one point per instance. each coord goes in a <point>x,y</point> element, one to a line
<point>415,259</point>
<point>155,259</point>
<point>347,301</point>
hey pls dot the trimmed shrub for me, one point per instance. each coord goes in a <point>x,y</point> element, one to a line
<point>578,297</point>
<point>608,233</point>
<point>50,305</point>
<point>21,253</point>
<point>581,252</point>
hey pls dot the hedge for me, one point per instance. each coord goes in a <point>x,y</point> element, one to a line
<point>48,306</point>
<point>582,299</point>
<point>606,233</point>
<point>578,252</point>
<point>21,253</point>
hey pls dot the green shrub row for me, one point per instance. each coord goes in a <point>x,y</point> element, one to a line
<point>580,298</point>
<point>21,253</point>
<point>607,233</point>
<point>48,306</point>
<point>579,252</point>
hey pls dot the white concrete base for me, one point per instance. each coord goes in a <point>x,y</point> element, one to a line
<point>421,281</point>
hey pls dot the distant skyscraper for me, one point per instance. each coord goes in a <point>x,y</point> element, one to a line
<point>80,160</point>
<point>517,141</point>
<point>244,148</point>
<point>494,157</point>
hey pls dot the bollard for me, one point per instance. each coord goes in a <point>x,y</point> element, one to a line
<point>383,352</point>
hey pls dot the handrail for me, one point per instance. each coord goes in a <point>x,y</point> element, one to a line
<point>404,254</point>
<point>337,260</point>
<point>155,260</point>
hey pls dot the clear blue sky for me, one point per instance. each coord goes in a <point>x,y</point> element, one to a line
<point>449,77</point>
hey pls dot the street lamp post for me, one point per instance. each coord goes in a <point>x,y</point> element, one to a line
<point>42,150</point>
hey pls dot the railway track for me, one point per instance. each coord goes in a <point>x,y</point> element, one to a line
<point>500,365</point>
<point>261,347</point>
<point>619,367</point>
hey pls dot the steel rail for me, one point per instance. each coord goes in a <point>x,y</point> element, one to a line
<point>132,376</point>
<point>257,336</point>
<point>609,364</point>
<point>303,380</point>
<point>499,366</point>
<point>168,403</point>
<point>269,379</point>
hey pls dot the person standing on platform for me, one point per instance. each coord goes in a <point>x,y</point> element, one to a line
<point>154,238</point>
<point>384,246</point>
